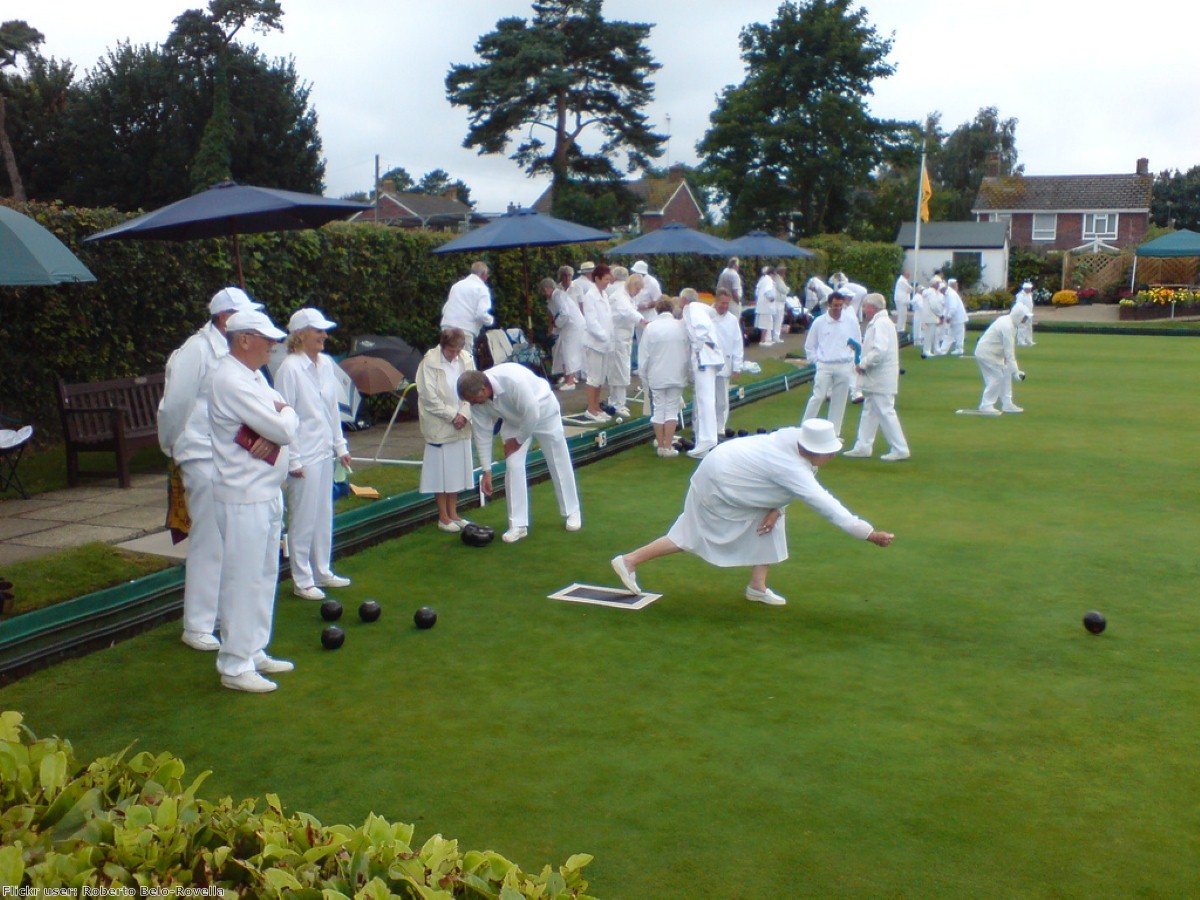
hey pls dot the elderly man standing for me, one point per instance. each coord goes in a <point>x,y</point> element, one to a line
<point>251,429</point>
<point>1025,298</point>
<point>830,347</point>
<point>731,279</point>
<point>728,329</point>
<point>932,313</point>
<point>880,371</point>
<point>956,320</point>
<point>598,339</point>
<point>527,408</point>
<point>996,355</point>
<point>707,361</point>
<point>902,295</point>
<point>185,436</point>
<point>469,303</point>
<point>766,306</point>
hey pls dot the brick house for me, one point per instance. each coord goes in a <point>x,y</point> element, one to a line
<point>1063,212</point>
<point>436,212</point>
<point>662,199</point>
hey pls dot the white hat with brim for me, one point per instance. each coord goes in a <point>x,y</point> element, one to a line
<point>231,299</point>
<point>253,320</point>
<point>586,266</point>
<point>640,267</point>
<point>309,318</point>
<point>819,436</point>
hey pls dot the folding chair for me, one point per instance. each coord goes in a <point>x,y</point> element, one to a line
<point>12,445</point>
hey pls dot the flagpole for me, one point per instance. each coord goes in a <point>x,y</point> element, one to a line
<point>916,266</point>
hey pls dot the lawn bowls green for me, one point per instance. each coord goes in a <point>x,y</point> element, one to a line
<point>1095,622</point>
<point>425,617</point>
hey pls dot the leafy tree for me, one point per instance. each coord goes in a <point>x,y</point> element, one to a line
<point>1176,199</point>
<point>17,40</point>
<point>438,182</point>
<point>36,104</point>
<point>560,75</point>
<point>790,145</point>
<point>399,178</point>
<point>987,145</point>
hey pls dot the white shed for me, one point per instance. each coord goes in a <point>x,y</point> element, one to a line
<point>944,243</point>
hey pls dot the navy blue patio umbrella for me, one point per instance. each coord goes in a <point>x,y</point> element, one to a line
<point>523,228</point>
<point>763,246</point>
<point>31,255</point>
<point>673,239</point>
<point>230,209</point>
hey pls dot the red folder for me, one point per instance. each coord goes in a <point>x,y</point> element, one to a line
<point>247,436</point>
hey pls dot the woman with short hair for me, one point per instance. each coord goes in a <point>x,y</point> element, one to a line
<point>447,467</point>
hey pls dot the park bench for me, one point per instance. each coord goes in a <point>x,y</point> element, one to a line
<point>118,416</point>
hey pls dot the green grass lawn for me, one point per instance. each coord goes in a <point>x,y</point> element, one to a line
<point>926,720</point>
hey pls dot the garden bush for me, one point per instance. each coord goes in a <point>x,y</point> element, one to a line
<point>132,826</point>
<point>1065,298</point>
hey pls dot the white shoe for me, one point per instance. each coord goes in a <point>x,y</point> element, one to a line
<point>333,581</point>
<point>892,456</point>
<point>855,453</point>
<point>199,641</point>
<point>1012,409</point>
<point>766,595</point>
<point>623,412</point>
<point>450,527</point>
<point>596,417</point>
<point>251,682</point>
<point>990,411</point>
<point>627,577</point>
<point>269,665</point>
<point>669,453</point>
<point>701,451</point>
<point>514,534</point>
<point>309,593</point>
<point>574,522</point>
<point>566,387</point>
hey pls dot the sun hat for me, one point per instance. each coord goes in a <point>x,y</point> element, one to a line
<point>231,299</point>
<point>309,318</point>
<point>640,267</point>
<point>253,320</point>
<point>1027,286</point>
<point>586,267</point>
<point>819,436</point>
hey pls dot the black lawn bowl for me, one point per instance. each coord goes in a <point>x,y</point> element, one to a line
<point>425,617</point>
<point>762,431</point>
<point>685,445</point>
<point>331,610</point>
<point>476,535</point>
<point>332,637</point>
<point>742,432</point>
<point>370,611</point>
<point>1095,622</point>
<point>729,432</point>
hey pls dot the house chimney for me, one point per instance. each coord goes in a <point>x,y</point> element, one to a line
<point>993,165</point>
<point>1143,166</point>
<point>450,193</point>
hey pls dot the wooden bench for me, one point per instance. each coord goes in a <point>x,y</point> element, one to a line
<point>118,416</point>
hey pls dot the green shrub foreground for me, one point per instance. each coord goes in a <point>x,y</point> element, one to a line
<point>133,827</point>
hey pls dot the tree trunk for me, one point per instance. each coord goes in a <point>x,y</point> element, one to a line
<point>10,159</point>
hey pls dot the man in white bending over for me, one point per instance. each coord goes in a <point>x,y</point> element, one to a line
<point>252,427</point>
<point>185,436</point>
<point>529,409</point>
<point>880,371</point>
<point>469,303</point>
<point>996,355</point>
<point>830,347</point>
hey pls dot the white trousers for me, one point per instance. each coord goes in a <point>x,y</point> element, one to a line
<point>310,523</point>
<point>879,414</point>
<point>955,339</point>
<point>202,573</point>
<point>901,316</point>
<point>553,444</point>
<point>777,328</point>
<point>1025,333</point>
<point>929,338</point>
<point>918,330</point>
<point>249,573</point>
<point>832,383</point>
<point>721,396</point>
<point>997,384</point>
<point>704,403</point>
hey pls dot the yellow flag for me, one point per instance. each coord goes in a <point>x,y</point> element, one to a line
<point>926,193</point>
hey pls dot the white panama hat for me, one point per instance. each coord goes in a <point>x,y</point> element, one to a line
<point>819,436</point>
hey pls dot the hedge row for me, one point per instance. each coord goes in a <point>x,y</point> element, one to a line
<point>150,295</point>
<point>132,827</point>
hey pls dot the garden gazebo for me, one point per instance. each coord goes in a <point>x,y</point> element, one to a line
<point>1182,245</point>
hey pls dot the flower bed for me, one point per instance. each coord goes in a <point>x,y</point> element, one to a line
<point>1160,303</point>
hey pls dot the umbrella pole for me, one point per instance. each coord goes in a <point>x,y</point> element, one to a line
<point>237,254</point>
<point>528,299</point>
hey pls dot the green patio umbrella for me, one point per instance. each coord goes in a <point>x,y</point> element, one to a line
<point>31,255</point>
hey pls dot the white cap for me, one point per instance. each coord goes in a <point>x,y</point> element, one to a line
<point>1027,286</point>
<point>819,436</point>
<point>231,299</point>
<point>309,318</point>
<point>640,267</point>
<point>253,320</point>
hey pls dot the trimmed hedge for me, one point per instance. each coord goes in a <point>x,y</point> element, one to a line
<point>131,827</point>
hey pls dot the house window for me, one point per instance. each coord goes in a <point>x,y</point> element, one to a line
<point>1045,226</point>
<point>1100,225</point>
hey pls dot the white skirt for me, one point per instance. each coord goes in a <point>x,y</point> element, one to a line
<point>448,468</point>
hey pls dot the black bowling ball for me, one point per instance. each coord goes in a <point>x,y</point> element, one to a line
<point>425,617</point>
<point>370,610</point>
<point>331,610</point>
<point>332,637</point>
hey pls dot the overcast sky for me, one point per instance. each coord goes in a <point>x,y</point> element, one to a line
<point>1094,88</point>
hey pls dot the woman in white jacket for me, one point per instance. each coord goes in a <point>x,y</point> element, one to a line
<point>447,467</point>
<point>307,383</point>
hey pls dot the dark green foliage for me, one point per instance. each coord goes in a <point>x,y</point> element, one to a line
<point>790,145</point>
<point>1043,268</point>
<point>599,204</point>
<point>566,71</point>
<point>985,146</point>
<point>1176,202</point>
<point>875,266</point>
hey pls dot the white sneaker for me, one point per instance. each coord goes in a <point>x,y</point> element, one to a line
<point>309,593</point>
<point>766,595</point>
<point>701,451</point>
<point>623,412</point>
<point>669,453</point>
<point>627,577</point>
<point>566,387</point>
<point>251,682</point>
<point>893,456</point>
<point>596,417</point>
<point>514,534</point>
<point>450,527</point>
<point>856,453</point>
<point>199,641</point>
<point>574,522</point>
<point>990,411</point>
<point>333,581</point>
<point>1012,409</point>
<point>269,665</point>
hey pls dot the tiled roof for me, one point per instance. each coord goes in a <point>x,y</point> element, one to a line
<point>1049,193</point>
<point>955,235</point>
<point>654,192</point>
<point>405,205</point>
